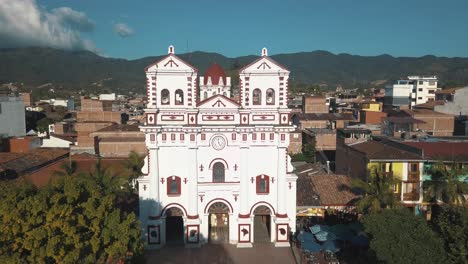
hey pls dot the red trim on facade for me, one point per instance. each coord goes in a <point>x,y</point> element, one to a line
<point>172,117</point>
<point>262,203</point>
<point>172,136</point>
<point>198,234</point>
<point>286,227</point>
<point>244,216</point>
<point>182,137</point>
<point>233,136</point>
<point>203,137</point>
<point>221,160</point>
<point>192,137</point>
<point>192,216</point>
<point>239,232</point>
<point>283,137</point>
<point>254,136</point>
<point>172,204</point>
<point>267,183</point>
<point>272,136</point>
<point>218,117</point>
<point>282,215</point>
<point>218,199</point>
<point>169,181</point>
<point>244,137</point>
<point>262,136</point>
<point>159,234</point>
<point>214,97</point>
<point>164,137</point>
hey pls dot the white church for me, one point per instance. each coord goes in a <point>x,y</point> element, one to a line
<point>217,170</point>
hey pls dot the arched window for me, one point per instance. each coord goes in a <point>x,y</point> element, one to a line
<point>270,96</point>
<point>173,185</point>
<point>257,97</point>
<point>179,97</point>
<point>214,93</point>
<point>218,172</point>
<point>224,93</point>
<point>263,184</point>
<point>205,95</point>
<point>165,97</point>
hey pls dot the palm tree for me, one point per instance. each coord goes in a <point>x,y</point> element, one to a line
<point>377,192</point>
<point>134,164</point>
<point>445,185</point>
<point>68,169</point>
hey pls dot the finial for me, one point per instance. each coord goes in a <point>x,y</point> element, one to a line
<point>264,52</point>
<point>170,50</point>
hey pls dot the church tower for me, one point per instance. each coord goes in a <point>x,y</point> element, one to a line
<point>214,82</point>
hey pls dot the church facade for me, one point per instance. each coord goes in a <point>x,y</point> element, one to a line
<point>217,170</point>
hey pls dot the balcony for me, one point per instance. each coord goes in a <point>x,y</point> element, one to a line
<point>413,176</point>
<point>411,196</point>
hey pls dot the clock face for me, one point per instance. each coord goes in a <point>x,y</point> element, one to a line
<point>218,142</point>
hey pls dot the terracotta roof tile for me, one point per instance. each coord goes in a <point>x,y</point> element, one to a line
<point>324,190</point>
<point>375,150</point>
<point>447,151</point>
<point>215,72</point>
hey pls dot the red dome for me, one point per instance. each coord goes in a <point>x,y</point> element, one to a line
<point>215,72</point>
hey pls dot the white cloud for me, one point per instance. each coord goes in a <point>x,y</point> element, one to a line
<point>123,30</point>
<point>24,24</point>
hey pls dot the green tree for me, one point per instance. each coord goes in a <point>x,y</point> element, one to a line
<point>133,164</point>
<point>451,223</point>
<point>377,192</point>
<point>71,220</point>
<point>445,185</point>
<point>399,236</point>
<point>43,124</point>
<point>308,150</point>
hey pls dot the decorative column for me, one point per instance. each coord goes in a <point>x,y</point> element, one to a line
<point>282,184</point>
<point>244,221</point>
<point>193,220</point>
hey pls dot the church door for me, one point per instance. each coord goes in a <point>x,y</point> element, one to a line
<point>218,226</point>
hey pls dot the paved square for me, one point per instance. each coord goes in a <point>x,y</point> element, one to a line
<point>222,253</point>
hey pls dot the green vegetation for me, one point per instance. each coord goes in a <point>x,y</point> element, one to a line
<point>74,219</point>
<point>377,192</point>
<point>43,124</point>
<point>399,236</point>
<point>451,223</point>
<point>445,185</point>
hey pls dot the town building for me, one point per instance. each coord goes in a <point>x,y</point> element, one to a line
<point>412,91</point>
<point>214,82</point>
<point>217,170</point>
<point>391,159</point>
<point>12,116</point>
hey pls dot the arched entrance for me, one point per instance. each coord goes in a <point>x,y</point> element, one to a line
<point>174,226</point>
<point>262,223</point>
<point>218,226</point>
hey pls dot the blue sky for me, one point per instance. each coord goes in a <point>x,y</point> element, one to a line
<point>137,28</point>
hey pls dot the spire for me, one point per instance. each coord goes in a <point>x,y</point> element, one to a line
<point>170,50</point>
<point>264,52</point>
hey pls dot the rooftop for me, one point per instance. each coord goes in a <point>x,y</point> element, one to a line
<point>386,150</point>
<point>120,128</point>
<point>325,116</point>
<point>324,190</point>
<point>445,151</point>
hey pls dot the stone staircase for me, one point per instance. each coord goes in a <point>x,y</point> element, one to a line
<point>260,231</point>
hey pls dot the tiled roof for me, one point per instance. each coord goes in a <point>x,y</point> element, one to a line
<point>215,72</point>
<point>120,128</point>
<point>325,116</point>
<point>32,160</point>
<point>447,151</point>
<point>123,139</point>
<point>324,190</point>
<point>377,150</point>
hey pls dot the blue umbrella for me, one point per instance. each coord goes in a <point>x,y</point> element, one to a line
<point>356,227</point>
<point>306,236</point>
<point>311,246</point>
<point>324,236</point>
<point>317,228</point>
<point>360,241</point>
<point>331,246</point>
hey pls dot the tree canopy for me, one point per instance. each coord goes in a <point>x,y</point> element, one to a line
<point>445,185</point>
<point>451,223</point>
<point>399,236</point>
<point>74,219</point>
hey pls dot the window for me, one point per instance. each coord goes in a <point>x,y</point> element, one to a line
<point>173,185</point>
<point>257,97</point>
<point>420,89</point>
<point>224,93</point>
<point>205,95</point>
<point>179,97</point>
<point>431,91</point>
<point>263,184</point>
<point>214,93</point>
<point>165,97</point>
<point>421,82</point>
<point>218,172</point>
<point>432,83</point>
<point>419,98</point>
<point>270,96</point>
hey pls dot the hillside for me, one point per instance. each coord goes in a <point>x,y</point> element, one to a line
<point>84,70</point>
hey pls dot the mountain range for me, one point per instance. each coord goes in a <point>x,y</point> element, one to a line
<point>85,70</point>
